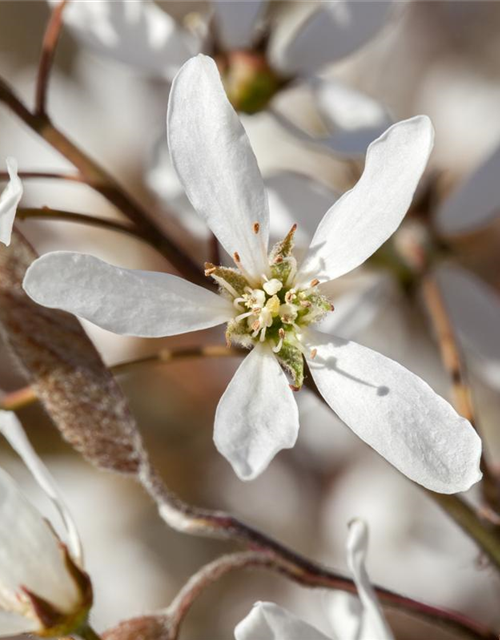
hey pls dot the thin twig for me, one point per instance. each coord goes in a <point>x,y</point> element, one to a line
<point>44,175</point>
<point>50,40</point>
<point>210,573</point>
<point>79,218</point>
<point>454,365</point>
<point>102,182</point>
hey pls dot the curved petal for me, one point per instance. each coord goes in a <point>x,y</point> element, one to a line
<point>12,430</point>
<point>236,20</point>
<point>257,416</point>
<point>365,217</point>
<point>474,307</point>
<point>475,202</point>
<point>296,199</point>
<point>267,621</point>
<point>331,33</point>
<point>396,413</point>
<point>374,625</point>
<point>353,118</point>
<point>216,165</point>
<point>13,624</point>
<point>345,614</point>
<point>127,302</point>
<point>9,201</point>
<point>136,33</point>
<point>30,553</point>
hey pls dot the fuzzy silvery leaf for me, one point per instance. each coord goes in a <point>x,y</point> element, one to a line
<point>67,373</point>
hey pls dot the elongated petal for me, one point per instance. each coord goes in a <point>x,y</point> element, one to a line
<point>11,428</point>
<point>374,625</point>
<point>365,217</point>
<point>345,614</point>
<point>9,201</point>
<point>474,307</point>
<point>267,621</point>
<point>331,33</point>
<point>128,302</point>
<point>396,413</point>
<point>475,202</point>
<point>136,33</point>
<point>296,199</point>
<point>353,118</point>
<point>13,624</point>
<point>215,163</point>
<point>257,416</point>
<point>236,21</point>
<point>30,554</point>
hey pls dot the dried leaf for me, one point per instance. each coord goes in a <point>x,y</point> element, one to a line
<point>66,371</point>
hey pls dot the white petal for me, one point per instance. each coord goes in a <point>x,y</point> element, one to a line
<point>9,201</point>
<point>13,624</point>
<point>365,217</point>
<point>215,163</point>
<point>354,119</point>
<point>257,416</point>
<point>396,413</point>
<point>11,428</point>
<point>359,307</point>
<point>475,202</point>
<point>127,302</point>
<point>332,32</point>
<point>374,625</point>
<point>267,621</point>
<point>235,21</point>
<point>474,307</point>
<point>294,198</point>
<point>30,554</point>
<point>345,614</point>
<point>136,33</point>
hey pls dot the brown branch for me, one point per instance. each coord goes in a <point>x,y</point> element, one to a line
<point>50,40</point>
<point>455,367</point>
<point>80,218</point>
<point>42,175</point>
<point>102,182</point>
<point>322,578</point>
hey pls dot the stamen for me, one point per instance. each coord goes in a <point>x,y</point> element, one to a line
<point>256,227</point>
<point>243,271</point>
<point>225,285</point>
<point>314,353</point>
<point>314,283</point>
<point>242,316</point>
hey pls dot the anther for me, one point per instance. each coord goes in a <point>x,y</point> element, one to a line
<point>256,227</point>
<point>314,283</point>
<point>236,257</point>
<point>314,353</point>
<point>209,268</point>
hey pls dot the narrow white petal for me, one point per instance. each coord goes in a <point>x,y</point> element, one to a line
<point>13,624</point>
<point>11,428</point>
<point>215,163</point>
<point>396,413</point>
<point>365,217</point>
<point>135,33</point>
<point>353,118</point>
<point>9,200</point>
<point>374,625</point>
<point>30,554</point>
<point>268,621</point>
<point>296,199</point>
<point>331,33</point>
<point>127,302</point>
<point>235,21</point>
<point>345,614</point>
<point>474,307</point>
<point>475,202</point>
<point>257,416</point>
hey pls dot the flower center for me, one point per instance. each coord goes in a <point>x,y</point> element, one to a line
<point>274,311</point>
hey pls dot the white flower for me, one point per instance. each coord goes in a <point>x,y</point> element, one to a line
<point>351,618</point>
<point>142,35</point>
<point>9,201</point>
<point>386,405</point>
<point>43,588</point>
